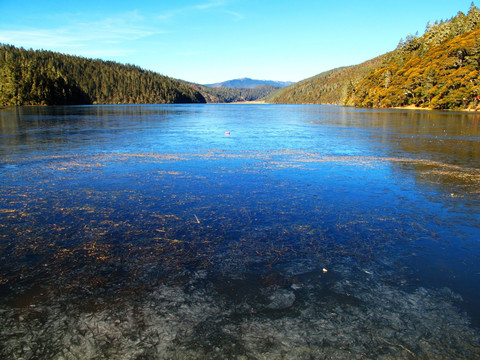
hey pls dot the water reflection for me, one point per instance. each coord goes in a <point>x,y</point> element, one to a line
<point>440,136</point>
<point>146,232</point>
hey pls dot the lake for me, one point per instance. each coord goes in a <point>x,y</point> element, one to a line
<point>240,232</point>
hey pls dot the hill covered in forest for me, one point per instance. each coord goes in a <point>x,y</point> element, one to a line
<point>329,87</point>
<point>437,70</point>
<point>29,77</point>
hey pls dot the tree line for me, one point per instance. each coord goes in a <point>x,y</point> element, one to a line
<point>39,77</point>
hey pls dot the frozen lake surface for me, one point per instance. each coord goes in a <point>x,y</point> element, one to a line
<point>149,232</point>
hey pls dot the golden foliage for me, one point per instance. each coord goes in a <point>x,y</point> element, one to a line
<point>437,70</point>
<point>440,73</point>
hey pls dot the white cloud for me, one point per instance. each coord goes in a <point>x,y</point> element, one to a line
<point>237,16</point>
<point>80,35</point>
<point>209,5</point>
<point>168,15</point>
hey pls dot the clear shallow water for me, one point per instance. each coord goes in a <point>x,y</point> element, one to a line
<point>146,232</point>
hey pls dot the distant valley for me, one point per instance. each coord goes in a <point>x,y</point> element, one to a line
<point>248,83</point>
<point>239,90</point>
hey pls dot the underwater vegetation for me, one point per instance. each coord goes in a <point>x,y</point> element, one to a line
<point>219,254</point>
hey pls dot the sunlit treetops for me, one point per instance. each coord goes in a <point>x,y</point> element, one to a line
<point>437,70</point>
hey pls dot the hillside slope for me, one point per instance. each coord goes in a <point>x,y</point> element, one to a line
<point>29,77</point>
<point>330,87</point>
<point>438,70</point>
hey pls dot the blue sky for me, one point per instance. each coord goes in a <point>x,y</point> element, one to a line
<point>207,41</point>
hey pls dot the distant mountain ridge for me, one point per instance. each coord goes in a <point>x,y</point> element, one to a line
<point>248,83</point>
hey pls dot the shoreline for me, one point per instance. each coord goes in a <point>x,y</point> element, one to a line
<point>413,107</point>
<point>248,102</point>
<point>262,102</point>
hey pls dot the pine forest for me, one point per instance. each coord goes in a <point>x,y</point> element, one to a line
<point>29,77</point>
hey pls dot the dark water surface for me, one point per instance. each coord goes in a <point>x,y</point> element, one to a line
<point>143,232</point>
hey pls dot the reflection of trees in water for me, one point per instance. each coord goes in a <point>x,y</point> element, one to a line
<point>438,136</point>
<point>440,149</point>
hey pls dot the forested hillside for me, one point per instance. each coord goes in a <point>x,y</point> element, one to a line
<point>438,70</point>
<point>330,87</point>
<point>29,77</point>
